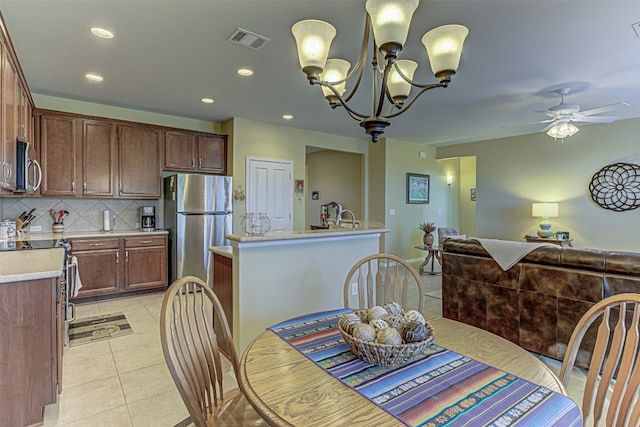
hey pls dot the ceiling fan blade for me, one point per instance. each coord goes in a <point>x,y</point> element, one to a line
<point>546,113</point>
<point>542,121</point>
<point>595,119</point>
<point>603,109</point>
<point>552,124</point>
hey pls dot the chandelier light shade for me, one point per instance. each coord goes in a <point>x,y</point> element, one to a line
<point>313,38</point>
<point>444,48</point>
<point>391,21</point>
<point>335,73</point>
<point>386,27</point>
<point>399,88</point>
<point>562,130</point>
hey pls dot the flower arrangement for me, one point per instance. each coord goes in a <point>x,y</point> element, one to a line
<point>427,227</point>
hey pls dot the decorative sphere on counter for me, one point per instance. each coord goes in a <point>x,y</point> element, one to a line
<point>389,336</point>
<point>376,312</point>
<point>348,321</point>
<point>394,320</point>
<point>393,308</point>
<point>379,324</point>
<point>414,315</point>
<point>413,331</point>
<point>364,332</point>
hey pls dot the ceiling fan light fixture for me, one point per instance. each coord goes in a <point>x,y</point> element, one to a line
<point>562,130</point>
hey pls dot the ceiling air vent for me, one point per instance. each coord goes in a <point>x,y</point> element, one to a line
<point>248,39</point>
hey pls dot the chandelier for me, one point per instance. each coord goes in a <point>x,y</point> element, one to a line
<point>392,77</point>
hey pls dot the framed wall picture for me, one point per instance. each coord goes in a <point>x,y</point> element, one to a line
<point>473,194</point>
<point>417,188</point>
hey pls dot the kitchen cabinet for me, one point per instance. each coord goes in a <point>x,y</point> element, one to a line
<point>117,265</point>
<point>223,287</point>
<point>98,158</point>
<point>10,119</point>
<point>145,262</point>
<point>58,145</point>
<point>98,265</point>
<point>140,151</point>
<point>192,151</point>
<point>29,350</point>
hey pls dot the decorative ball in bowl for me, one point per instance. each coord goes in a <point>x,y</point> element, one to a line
<point>387,337</point>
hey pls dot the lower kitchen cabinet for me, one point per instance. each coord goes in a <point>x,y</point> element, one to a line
<point>145,262</point>
<point>117,265</point>
<point>30,350</point>
<point>98,265</point>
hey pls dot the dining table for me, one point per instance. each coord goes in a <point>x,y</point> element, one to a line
<point>302,373</point>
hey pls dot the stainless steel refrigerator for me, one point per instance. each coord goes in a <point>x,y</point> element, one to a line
<point>197,214</point>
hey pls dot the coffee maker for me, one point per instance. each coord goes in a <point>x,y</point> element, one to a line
<point>148,218</point>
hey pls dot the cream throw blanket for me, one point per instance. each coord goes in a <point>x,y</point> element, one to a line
<point>508,252</point>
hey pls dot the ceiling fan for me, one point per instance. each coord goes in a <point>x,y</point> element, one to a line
<point>562,116</point>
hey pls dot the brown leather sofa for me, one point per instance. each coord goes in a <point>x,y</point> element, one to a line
<point>537,302</point>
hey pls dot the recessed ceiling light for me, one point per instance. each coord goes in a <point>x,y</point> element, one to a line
<point>101,32</point>
<point>92,77</point>
<point>207,100</point>
<point>287,116</point>
<point>245,72</point>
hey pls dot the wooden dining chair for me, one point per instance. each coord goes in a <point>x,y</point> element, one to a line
<point>613,379</point>
<point>194,357</point>
<point>382,278</point>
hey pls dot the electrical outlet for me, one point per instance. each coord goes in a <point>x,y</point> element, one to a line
<point>34,228</point>
<point>354,289</point>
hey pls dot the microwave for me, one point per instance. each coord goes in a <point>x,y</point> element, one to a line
<point>28,171</point>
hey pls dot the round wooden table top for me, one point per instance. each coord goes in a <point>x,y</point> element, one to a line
<point>287,388</point>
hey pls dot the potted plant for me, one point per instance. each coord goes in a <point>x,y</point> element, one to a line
<point>427,228</point>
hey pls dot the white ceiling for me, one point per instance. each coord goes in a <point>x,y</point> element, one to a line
<point>168,54</point>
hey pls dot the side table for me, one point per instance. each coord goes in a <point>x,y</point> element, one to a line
<point>434,253</point>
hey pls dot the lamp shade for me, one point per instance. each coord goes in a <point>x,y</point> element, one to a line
<point>391,20</point>
<point>396,84</point>
<point>544,210</point>
<point>334,71</point>
<point>313,39</point>
<point>444,47</point>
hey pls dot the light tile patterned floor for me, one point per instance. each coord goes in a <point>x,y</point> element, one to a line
<point>125,382</point>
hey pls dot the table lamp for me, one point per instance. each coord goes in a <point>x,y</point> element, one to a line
<point>545,211</point>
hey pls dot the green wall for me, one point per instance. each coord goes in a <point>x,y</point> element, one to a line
<point>514,172</point>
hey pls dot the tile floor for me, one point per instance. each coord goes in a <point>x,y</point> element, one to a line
<point>124,381</point>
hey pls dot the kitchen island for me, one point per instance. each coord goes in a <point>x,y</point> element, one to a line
<point>31,324</point>
<point>282,275</point>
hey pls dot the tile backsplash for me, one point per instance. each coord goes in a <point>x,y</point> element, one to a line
<point>84,214</point>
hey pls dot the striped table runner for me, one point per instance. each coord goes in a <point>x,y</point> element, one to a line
<point>440,388</point>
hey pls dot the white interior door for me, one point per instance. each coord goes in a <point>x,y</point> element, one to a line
<point>270,190</point>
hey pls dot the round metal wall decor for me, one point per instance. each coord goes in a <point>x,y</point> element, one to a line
<point>617,187</point>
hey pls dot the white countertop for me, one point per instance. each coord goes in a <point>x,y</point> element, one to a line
<point>18,266</point>
<point>89,234</point>
<point>364,228</point>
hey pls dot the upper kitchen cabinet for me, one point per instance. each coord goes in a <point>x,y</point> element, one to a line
<point>140,151</point>
<point>191,151</point>
<point>98,158</point>
<point>71,147</point>
<point>58,144</point>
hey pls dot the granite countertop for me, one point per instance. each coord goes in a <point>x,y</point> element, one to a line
<point>18,266</point>
<point>89,234</point>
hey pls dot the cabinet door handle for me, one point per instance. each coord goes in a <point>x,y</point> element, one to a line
<point>126,258</point>
<point>117,257</point>
<point>200,162</point>
<point>73,186</point>
<point>96,244</point>
<point>84,187</point>
<point>193,162</point>
<point>145,242</point>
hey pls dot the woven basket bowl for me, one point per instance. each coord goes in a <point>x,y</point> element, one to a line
<point>387,354</point>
